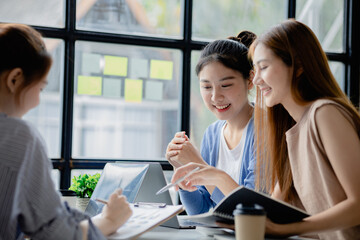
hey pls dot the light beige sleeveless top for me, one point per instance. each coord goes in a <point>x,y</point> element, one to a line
<point>314,179</point>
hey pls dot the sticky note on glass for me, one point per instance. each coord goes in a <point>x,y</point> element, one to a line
<point>116,66</point>
<point>133,90</point>
<point>112,87</point>
<point>160,69</point>
<point>153,90</point>
<point>88,85</point>
<point>139,68</point>
<point>90,63</point>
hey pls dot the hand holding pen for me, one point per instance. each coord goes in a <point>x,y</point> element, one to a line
<point>116,210</point>
<point>207,176</point>
<point>174,184</point>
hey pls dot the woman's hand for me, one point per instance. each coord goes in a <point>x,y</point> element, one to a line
<point>115,213</point>
<point>174,147</point>
<point>274,229</point>
<point>117,210</point>
<point>207,176</point>
<point>181,151</point>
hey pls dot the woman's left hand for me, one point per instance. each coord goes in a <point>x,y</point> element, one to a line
<point>185,153</point>
<point>280,230</point>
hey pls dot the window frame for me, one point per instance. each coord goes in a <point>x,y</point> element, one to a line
<point>69,34</point>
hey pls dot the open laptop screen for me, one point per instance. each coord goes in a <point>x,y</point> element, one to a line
<point>128,177</point>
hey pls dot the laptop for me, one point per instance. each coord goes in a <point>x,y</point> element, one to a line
<point>140,182</point>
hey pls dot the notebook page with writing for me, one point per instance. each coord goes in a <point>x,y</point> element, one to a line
<point>145,218</point>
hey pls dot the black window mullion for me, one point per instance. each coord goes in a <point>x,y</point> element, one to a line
<point>66,140</point>
<point>185,88</point>
<point>346,46</point>
<point>353,51</point>
<point>291,9</point>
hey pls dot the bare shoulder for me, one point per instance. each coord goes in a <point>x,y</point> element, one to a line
<point>337,130</point>
<point>331,114</point>
<point>335,125</point>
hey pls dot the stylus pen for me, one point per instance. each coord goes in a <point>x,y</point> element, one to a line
<point>101,200</point>
<point>167,187</point>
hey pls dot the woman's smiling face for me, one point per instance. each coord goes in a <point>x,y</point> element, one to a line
<point>272,76</point>
<point>223,90</point>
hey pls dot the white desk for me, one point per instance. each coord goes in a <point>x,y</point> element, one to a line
<point>159,233</point>
<point>174,234</point>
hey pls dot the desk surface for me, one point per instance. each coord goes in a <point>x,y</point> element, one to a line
<point>159,233</point>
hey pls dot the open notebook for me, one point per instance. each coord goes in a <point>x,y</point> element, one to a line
<point>276,210</point>
<point>145,218</point>
<point>140,182</point>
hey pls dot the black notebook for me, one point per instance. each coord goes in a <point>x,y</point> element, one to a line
<point>276,210</point>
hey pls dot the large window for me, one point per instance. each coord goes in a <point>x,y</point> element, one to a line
<point>123,79</point>
<point>126,101</point>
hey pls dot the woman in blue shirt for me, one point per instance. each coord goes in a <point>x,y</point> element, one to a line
<point>226,157</point>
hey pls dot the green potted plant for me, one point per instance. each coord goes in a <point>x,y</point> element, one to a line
<point>84,185</point>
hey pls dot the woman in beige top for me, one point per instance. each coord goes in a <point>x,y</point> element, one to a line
<point>312,134</point>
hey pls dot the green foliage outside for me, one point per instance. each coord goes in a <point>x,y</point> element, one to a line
<point>84,185</point>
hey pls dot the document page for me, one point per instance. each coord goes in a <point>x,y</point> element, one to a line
<point>145,218</point>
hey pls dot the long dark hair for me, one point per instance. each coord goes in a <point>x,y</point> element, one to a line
<point>231,52</point>
<point>297,46</point>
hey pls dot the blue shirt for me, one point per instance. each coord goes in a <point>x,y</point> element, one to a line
<point>201,201</point>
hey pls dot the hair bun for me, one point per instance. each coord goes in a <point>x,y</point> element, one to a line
<point>244,37</point>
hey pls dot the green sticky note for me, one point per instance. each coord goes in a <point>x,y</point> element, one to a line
<point>153,90</point>
<point>133,90</point>
<point>160,69</point>
<point>112,87</point>
<point>139,68</point>
<point>88,85</point>
<point>90,63</point>
<point>116,66</point>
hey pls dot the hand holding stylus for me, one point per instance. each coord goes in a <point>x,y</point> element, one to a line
<point>170,185</point>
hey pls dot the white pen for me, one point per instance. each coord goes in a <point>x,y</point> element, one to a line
<point>101,200</point>
<point>167,187</point>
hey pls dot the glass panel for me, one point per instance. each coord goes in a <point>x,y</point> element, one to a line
<point>47,116</point>
<point>200,116</point>
<point>213,19</point>
<point>140,17</point>
<point>126,100</point>
<point>48,13</point>
<point>338,70</point>
<point>55,174</point>
<point>173,194</point>
<point>77,172</point>
<point>326,19</point>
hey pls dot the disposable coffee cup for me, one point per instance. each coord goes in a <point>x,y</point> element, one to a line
<point>249,222</point>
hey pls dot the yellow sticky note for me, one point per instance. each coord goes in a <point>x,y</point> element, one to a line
<point>116,66</point>
<point>160,69</point>
<point>88,85</point>
<point>133,90</point>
